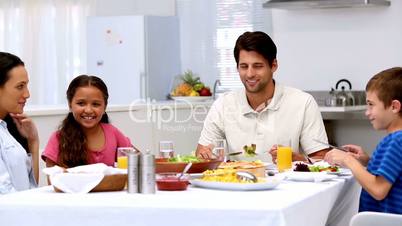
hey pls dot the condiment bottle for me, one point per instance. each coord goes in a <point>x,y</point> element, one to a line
<point>147,173</point>
<point>132,171</point>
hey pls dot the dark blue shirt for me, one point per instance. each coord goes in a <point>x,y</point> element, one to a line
<point>387,162</point>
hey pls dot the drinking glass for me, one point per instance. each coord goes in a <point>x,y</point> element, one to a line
<point>219,149</point>
<point>166,149</point>
<point>122,153</point>
<point>284,155</point>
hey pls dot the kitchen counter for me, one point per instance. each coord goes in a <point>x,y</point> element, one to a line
<point>43,110</point>
<point>350,115</point>
<point>328,113</point>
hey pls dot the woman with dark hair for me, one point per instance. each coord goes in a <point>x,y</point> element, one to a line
<point>19,170</point>
<point>85,135</point>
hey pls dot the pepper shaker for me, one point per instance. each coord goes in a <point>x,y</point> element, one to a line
<point>147,173</point>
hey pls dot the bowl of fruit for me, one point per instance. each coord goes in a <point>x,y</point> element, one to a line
<point>188,87</point>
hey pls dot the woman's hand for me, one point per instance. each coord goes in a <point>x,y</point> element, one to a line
<point>25,127</point>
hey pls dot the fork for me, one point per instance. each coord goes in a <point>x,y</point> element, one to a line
<point>306,156</point>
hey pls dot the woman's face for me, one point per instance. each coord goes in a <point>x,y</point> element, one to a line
<point>88,106</point>
<point>14,93</point>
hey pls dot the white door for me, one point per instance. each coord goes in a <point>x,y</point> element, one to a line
<point>116,54</point>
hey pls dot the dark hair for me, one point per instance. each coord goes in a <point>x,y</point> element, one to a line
<point>387,85</point>
<point>72,140</point>
<point>12,129</point>
<point>9,61</point>
<point>257,41</point>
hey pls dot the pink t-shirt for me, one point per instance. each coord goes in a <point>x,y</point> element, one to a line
<point>113,139</point>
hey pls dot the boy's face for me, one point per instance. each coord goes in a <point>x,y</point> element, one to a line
<point>380,117</point>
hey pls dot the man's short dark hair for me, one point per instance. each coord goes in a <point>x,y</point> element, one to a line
<point>257,41</point>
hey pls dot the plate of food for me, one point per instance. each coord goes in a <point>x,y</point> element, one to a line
<point>319,171</point>
<point>255,167</point>
<point>309,176</point>
<point>341,172</point>
<point>225,179</point>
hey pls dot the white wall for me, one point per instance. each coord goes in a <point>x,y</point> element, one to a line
<point>318,47</point>
<point>135,7</point>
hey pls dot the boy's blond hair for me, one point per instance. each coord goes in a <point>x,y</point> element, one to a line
<point>387,85</point>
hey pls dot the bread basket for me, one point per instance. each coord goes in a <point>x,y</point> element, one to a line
<point>113,182</point>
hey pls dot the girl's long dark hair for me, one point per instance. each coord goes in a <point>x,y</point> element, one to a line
<point>72,140</point>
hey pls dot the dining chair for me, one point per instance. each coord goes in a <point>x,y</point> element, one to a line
<point>375,219</point>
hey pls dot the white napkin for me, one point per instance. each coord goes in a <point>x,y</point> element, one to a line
<point>80,179</point>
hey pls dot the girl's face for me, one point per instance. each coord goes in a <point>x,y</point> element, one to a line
<point>88,106</point>
<point>14,93</point>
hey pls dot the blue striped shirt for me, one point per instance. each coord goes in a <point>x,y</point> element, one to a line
<point>387,162</point>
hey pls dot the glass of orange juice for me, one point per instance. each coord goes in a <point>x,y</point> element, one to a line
<point>122,153</point>
<point>284,155</point>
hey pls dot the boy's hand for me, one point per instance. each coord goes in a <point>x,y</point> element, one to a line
<point>358,153</point>
<point>337,157</point>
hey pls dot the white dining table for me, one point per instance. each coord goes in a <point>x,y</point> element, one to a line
<point>291,203</point>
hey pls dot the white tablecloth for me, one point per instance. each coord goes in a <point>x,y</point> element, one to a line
<point>290,204</point>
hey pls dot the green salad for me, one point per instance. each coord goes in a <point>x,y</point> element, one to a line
<point>184,158</point>
<point>250,150</point>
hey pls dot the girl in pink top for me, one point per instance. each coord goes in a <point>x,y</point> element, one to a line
<point>85,135</point>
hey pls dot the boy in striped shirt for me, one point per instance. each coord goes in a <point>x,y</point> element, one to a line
<point>382,180</point>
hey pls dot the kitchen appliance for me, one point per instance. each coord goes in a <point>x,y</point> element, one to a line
<point>344,98</point>
<point>341,98</point>
<point>308,4</point>
<point>136,56</point>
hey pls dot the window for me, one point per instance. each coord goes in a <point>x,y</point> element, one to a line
<point>49,36</point>
<point>209,30</point>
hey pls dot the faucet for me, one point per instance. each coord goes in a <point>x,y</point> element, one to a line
<point>217,83</point>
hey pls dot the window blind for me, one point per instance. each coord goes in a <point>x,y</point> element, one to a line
<point>209,30</point>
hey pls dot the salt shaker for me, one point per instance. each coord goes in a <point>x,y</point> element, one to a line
<point>132,171</point>
<point>147,173</point>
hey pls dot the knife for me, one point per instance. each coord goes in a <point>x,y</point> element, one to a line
<point>331,146</point>
<point>234,153</point>
<point>229,154</point>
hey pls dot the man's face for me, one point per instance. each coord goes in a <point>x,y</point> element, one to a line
<point>254,70</point>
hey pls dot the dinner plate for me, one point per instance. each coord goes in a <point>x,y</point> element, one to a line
<point>271,183</point>
<point>341,172</point>
<point>195,175</point>
<point>192,99</point>
<point>309,176</point>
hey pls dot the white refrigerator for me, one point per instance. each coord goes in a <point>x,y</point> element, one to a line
<point>136,56</point>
